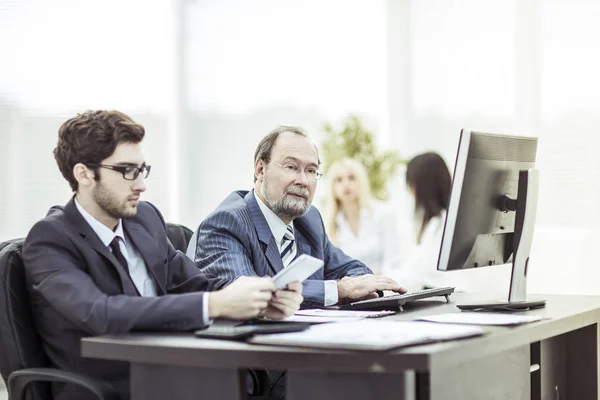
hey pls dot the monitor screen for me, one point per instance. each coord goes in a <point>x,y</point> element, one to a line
<point>479,231</point>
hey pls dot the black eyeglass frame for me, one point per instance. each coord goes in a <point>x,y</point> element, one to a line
<point>125,169</point>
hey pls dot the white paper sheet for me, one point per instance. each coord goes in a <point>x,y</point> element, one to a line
<point>369,334</point>
<point>317,312</point>
<point>318,319</point>
<point>319,316</point>
<point>480,318</point>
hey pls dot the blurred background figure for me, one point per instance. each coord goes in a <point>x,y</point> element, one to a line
<point>429,182</point>
<point>362,227</point>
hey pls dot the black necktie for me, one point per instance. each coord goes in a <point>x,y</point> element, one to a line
<point>116,250</point>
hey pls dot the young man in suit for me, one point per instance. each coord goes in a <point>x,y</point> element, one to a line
<point>103,264</point>
<point>258,233</point>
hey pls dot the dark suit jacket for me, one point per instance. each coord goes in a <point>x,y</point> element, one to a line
<point>236,240</point>
<point>79,289</point>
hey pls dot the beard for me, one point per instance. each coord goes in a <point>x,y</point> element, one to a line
<point>287,207</point>
<point>109,203</point>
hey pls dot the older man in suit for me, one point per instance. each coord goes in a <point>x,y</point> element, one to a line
<point>103,264</point>
<point>259,232</point>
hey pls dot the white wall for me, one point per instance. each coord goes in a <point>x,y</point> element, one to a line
<point>63,57</point>
<point>209,79</point>
<point>525,68</point>
<point>254,65</point>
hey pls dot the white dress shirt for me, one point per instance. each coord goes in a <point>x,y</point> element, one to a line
<point>377,242</point>
<point>278,229</point>
<point>419,269</point>
<point>137,267</point>
<point>138,272</point>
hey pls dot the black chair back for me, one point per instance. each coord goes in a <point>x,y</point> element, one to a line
<point>20,345</point>
<point>179,236</point>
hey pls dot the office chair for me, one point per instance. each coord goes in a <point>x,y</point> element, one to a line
<point>23,363</point>
<point>179,236</point>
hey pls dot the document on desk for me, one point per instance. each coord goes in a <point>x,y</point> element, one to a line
<point>480,318</point>
<point>370,334</point>
<point>317,315</point>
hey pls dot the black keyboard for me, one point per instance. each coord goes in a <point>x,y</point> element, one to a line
<point>396,302</point>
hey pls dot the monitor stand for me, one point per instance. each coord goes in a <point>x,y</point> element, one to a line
<point>525,207</point>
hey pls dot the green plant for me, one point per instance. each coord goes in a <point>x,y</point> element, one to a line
<point>353,140</point>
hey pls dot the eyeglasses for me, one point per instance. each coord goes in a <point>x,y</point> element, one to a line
<point>129,172</point>
<point>312,173</point>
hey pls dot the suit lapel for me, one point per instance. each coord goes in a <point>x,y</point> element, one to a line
<point>306,239</point>
<point>306,244</point>
<point>303,247</point>
<point>150,251</point>
<point>88,234</point>
<point>272,253</point>
<point>264,234</point>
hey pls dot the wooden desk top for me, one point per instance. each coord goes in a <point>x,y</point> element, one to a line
<point>565,312</point>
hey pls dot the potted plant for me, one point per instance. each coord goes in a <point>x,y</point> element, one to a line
<point>355,141</point>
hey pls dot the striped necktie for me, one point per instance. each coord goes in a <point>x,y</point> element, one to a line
<point>287,244</point>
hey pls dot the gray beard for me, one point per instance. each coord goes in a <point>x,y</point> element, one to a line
<point>285,208</point>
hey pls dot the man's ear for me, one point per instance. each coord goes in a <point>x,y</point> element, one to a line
<point>259,169</point>
<point>83,175</point>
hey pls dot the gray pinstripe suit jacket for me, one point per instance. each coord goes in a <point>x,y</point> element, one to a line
<point>235,240</point>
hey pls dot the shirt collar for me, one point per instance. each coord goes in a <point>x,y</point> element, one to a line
<point>276,225</point>
<point>103,232</point>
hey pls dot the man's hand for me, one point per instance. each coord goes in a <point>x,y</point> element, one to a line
<point>352,288</point>
<point>245,298</point>
<point>285,303</point>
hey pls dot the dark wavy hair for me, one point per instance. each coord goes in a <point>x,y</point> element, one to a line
<point>92,137</point>
<point>428,175</point>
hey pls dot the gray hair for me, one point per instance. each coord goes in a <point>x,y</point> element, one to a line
<point>264,148</point>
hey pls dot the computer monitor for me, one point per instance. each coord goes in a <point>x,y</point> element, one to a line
<point>491,212</point>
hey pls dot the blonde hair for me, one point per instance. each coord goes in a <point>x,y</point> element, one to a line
<point>333,204</point>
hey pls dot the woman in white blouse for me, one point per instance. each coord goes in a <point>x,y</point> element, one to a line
<point>363,228</point>
<point>429,182</point>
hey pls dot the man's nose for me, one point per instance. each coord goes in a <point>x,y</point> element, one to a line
<point>301,178</point>
<point>139,184</point>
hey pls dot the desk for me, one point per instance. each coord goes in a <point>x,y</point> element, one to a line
<point>494,366</point>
